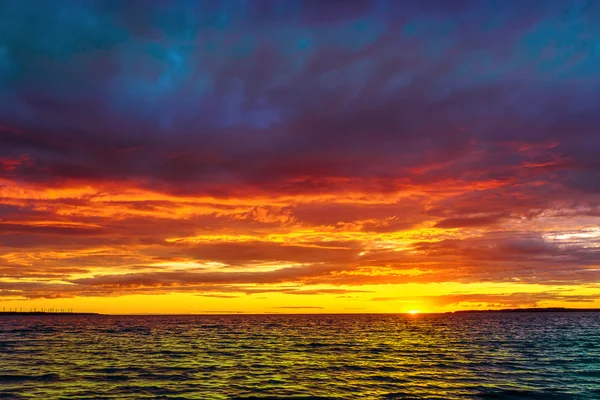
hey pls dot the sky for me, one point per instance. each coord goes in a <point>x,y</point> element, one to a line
<point>299,156</point>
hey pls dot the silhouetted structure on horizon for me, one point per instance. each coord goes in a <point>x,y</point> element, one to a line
<point>49,311</point>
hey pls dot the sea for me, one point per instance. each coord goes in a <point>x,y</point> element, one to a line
<point>424,356</point>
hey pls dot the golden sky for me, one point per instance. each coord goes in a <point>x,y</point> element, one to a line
<point>124,250</point>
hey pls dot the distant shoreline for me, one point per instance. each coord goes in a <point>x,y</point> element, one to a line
<point>511,310</point>
<point>45,313</point>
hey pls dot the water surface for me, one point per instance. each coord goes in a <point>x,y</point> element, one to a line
<point>444,356</point>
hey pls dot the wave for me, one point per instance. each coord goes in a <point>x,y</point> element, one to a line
<point>301,357</point>
<point>25,378</point>
<point>513,394</point>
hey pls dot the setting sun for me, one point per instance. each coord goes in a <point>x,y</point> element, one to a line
<point>413,312</point>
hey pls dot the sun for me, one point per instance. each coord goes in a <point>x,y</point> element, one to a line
<point>413,312</point>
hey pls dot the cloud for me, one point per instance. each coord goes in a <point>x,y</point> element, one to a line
<point>398,96</point>
<point>218,296</point>
<point>177,278</point>
<point>501,300</point>
<point>514,299</point>
<point>469,222</point>
<point>8,228</point>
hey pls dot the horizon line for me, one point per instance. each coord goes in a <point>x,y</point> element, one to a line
<point>411,313</point>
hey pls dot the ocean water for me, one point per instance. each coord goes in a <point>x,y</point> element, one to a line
<point>443,356</point>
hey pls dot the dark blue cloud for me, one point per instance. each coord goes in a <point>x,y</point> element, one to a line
<point>256,93</point>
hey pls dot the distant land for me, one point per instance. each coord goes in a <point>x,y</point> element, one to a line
<point>547,309</point>
<point>44,313</point>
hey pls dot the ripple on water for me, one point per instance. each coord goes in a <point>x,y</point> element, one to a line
<point>301,357</point>
<point>30,378</point>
